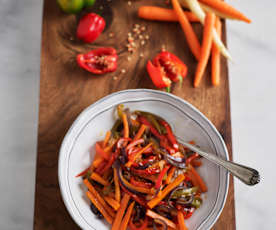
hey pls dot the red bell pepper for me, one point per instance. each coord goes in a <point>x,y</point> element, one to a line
<point>161,176</point>
<point>90,27</point>
<point>153,130</point>
<point>170,134</point>
<point>191,158</point>
<point>164,143</point>
<point>140,183</point>
<point>148,171</point>
<point>110,162</point>
<point>166,67</point>
<point>101,152</point>
<point>99,61</point>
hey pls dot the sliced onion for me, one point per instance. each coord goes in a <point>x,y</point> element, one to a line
<point>176,164</point>
<point>185,201</point>
<point>159,221</point>
<point>176,159</point>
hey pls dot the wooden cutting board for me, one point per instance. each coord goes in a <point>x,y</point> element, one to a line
<point>65,90</point>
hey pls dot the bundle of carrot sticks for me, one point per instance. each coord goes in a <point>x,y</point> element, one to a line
<point>208,13</point>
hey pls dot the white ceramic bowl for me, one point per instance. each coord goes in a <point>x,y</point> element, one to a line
<point>187,122</point>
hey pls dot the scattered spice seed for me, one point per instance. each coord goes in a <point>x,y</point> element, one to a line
<point>141,36</point>
<point>147,37</point>
<point>129,58</point>
<point>143,42</point>
<point>111,34</point>
<point>115,78</point>
<point>123,71</point>
<point>101,7</point>
<point>141,55</point>
<point>129,3</point>
<point>143,28</point>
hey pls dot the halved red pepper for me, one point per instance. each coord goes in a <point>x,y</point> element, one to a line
<point>166,67</point>
<point>175,69</point>
<point>158,76</point>
<point>99,61</point>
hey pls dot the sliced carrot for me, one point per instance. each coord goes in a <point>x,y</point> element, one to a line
<point>106,139</point>
<point>196,177</point>
<point>156,13</point>
<point>187,29</point>
<point>117,186</point>
<point>98,197</point>
<point>226,9</point>
<point>119,215</point>
<point>101,152</point>
<point>181,221</point>
<point>136,155</point>
<point>206,47</point>
<point>216,56</point>
<point>152,203</point>
<point>140,132</point>
<point>126,219</point>
<point>113,203</point>
<point>154,215</point>
<point>170,175</point>
<point>126,127</point>
<point>96,177</point>
<point>98,205</point>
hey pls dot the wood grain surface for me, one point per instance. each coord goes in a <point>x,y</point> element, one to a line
<point>65,90</point>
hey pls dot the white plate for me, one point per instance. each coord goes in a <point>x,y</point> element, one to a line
<point>188,123</point>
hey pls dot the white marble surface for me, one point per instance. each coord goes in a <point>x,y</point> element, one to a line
<point>253,95</point>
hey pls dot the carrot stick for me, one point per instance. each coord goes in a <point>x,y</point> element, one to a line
<point>119,216</point>
<point>206,47</point>
<point>126,219</point>
<point>106,139</point>
<point>201,184</point>
<point>187,29</point>
<point>154,215</point>
<point>226,9</point>
<point>113,203</point>
<point>98,205</point>
<point>140,132</point>
<point>136,155</point>
<point>170,174</point>
<point>152,203</point>
<point>96,177</point>
<point>216,57</point>
<point>156,13</point>
<point>126,128</point>
<point>117,186</point>
<point>181,221</point>
<point>97,162</point>
<point>99,198</point>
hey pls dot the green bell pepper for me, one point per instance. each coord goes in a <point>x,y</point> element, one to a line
<point>74,6</point>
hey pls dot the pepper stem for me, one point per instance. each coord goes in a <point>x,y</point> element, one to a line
<point>168,89</point>
<point>180,79</point>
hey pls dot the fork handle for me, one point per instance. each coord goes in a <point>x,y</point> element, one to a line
<point>246,174</point>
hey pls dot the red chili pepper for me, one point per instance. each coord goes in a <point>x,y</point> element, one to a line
<point>175,69</point>
<point>161,176</point>
<point>170,135</point>
<point>153,130</point>
<point>99,61</point>
<point>90,27</point>
<point>191,158</point>
<point>83,172</point>
<point>158,76</point>
<point>142,227</point>
<point>140,183</point>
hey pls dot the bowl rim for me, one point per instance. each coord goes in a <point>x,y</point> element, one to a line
<point>83,113</point>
